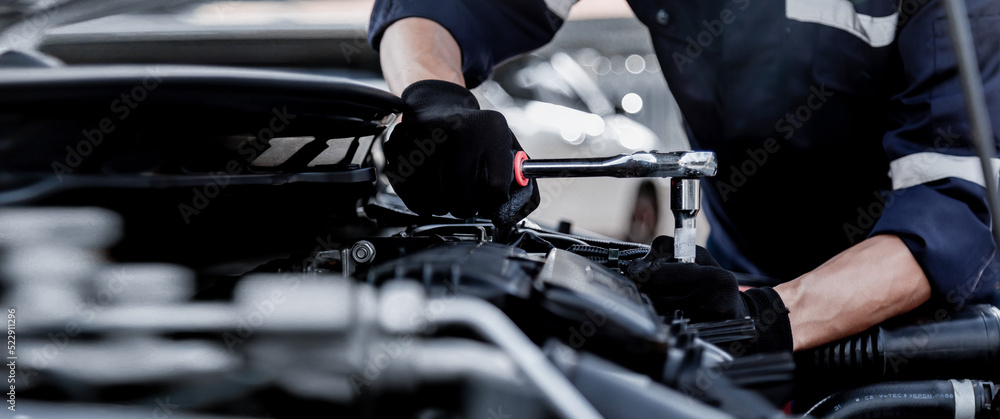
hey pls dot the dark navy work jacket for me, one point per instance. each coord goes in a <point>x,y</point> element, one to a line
<point>833,120</point>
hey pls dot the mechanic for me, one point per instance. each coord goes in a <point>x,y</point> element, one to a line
<point>844,149</point>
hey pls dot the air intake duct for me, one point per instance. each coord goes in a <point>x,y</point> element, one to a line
<point>963,344</point>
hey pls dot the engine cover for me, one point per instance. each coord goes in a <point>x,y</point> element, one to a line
<point>564,295</point>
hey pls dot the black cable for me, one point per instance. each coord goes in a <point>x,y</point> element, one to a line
<point>975,101</point>
<point>607,243</point>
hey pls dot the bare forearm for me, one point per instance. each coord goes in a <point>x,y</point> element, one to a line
<point>415,49</point>
<point>866,284</point>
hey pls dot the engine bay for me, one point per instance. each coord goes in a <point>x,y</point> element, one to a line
<point>228,249</point>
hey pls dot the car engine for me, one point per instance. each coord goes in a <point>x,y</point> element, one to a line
<point>228,249</point>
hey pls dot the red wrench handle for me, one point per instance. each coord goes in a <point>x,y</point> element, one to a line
<point>519,160</point>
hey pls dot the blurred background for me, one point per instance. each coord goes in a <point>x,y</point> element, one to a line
<point>595,91</point>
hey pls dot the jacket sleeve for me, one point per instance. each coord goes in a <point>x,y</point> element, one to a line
<point>488,31</point>
<point>937,205</point>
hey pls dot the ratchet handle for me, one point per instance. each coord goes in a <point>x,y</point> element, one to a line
<point>680,164</point>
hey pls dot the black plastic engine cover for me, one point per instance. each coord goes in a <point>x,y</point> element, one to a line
<point>489,271</point>
<point>565,296</point>
<point>582,290</point>
<point>174,150</point>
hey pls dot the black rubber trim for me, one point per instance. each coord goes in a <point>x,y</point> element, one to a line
<point>46,185</point>
<point>204,85</point>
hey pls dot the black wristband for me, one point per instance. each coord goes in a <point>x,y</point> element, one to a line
<point>432,94</point>
<point>774,330</point>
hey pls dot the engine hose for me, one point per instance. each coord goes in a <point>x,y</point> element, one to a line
<point>949,399</point>
<point>958,344</point>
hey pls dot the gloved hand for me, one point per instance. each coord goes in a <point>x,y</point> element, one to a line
<point>706,292</point>
<point>448,155</point>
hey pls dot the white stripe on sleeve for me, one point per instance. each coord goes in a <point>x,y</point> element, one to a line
<point>920,168</point>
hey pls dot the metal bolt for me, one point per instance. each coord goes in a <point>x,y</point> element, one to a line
<point>662,17</point>
<point>363,251</point>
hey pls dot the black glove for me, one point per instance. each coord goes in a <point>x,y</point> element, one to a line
<point>706,292</point>
<point>447,155</point>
